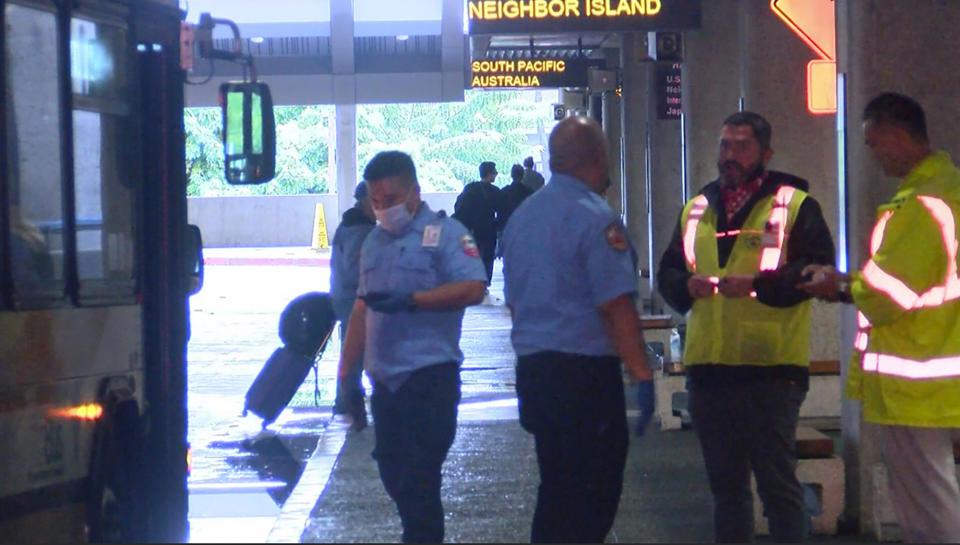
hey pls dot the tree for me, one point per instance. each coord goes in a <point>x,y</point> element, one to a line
<point>447,141</point>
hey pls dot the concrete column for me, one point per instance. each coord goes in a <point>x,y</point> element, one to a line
<point>907,47</point>
<point>666,186</point>
<point>454,52</point>
<point>344,94</point>
<point>634,108</point>
<point>611,128</point>
<point>346,155</point>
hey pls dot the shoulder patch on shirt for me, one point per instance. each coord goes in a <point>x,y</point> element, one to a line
<point>469,246</point>
<point>616,238</point>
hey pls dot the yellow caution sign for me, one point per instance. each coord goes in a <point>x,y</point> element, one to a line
<point>319,229</point>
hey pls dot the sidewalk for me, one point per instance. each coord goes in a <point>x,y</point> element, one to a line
<point>280,255</point>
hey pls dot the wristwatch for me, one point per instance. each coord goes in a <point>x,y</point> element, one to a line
<point>843,290</point>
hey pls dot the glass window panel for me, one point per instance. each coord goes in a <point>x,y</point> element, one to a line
<point>106,168</point>
<point>33,146</point>
<point>97,64</point>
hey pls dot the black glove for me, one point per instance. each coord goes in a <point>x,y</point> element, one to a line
<point>389,302</point>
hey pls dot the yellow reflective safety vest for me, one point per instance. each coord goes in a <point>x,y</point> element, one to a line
<point>906,363</point>
<point>742,330</point>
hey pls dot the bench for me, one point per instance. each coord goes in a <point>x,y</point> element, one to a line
<point>821,471</point>
<point>824,396</point>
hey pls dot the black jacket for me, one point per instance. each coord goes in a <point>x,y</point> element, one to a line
<point>511,197</point>
<point>477,207</point>
<point>809,242</point>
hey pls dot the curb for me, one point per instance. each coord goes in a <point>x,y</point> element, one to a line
<point>295,514</point>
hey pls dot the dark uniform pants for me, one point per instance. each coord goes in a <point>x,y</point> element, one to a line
<point>354,381</point>
<point>487,246</point>
<point>574,406</point>
<point>747,426</point>
<point>414,428</point>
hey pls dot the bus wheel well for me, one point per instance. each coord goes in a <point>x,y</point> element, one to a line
<point>113,512</point>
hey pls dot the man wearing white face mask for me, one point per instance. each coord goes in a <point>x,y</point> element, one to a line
<point>418,271</point>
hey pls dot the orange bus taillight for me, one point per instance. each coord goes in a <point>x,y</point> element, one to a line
<point>88,411</point>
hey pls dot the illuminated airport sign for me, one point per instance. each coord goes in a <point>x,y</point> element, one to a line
<point>533,16</point>
<point>529,73</point>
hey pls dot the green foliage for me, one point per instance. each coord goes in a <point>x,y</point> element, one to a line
<point>447,142</point>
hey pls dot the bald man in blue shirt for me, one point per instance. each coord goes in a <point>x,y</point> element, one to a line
<point>570,282</point>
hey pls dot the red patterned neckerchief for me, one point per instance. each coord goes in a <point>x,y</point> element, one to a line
<point>734,198</point>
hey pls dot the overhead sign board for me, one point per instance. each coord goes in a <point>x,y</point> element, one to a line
<point>536,16</point>
<point>529,73</point>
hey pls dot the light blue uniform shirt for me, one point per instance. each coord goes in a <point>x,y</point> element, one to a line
<point>430,252</point>
<point>565,253</point>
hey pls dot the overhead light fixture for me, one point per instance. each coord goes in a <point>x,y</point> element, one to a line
<point>257,40</point>
<point>403,37</point>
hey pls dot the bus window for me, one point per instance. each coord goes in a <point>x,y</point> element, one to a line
<point>106,164</point>
<point>33,171</point>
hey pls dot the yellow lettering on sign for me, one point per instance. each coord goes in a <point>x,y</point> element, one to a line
<point>560,9</point>
<point>631,8</point>
<point>505,81</point>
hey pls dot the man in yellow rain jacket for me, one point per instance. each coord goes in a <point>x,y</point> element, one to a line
<point>734,263</point>
<point>906,364</point>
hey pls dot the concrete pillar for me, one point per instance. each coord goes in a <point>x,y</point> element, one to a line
<point>907,47</point>
<point>346,154</point>
<point>345,99</point>
<point>634,110</point>
<point>611,128</point>
<point>666,185</point>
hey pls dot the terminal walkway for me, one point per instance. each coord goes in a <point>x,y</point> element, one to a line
<point>490,476</point>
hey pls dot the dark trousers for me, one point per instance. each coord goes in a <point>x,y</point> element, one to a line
<point>744,427</point>
<point>414,428</point>
<point>487,247</point>
<point>354,381</point>
<point>574,407</point>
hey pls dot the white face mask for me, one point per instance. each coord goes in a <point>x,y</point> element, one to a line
<point>395,218</point>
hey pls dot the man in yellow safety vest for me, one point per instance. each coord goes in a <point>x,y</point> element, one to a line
<point>734,262</point>
<point>906,364</point>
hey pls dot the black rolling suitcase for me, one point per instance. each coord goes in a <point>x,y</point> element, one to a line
<point>305,327</point>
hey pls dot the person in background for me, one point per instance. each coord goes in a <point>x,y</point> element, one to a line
<point>510,198</point>
<point>570,283</point>
<point>905,367</point>
<point>355,225</point>
<point>418,272</point>
<point>733,264</point>
<point>531,178</point>
<point>478,207</point>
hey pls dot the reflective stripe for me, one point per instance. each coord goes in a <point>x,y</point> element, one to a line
<point>876,238</point>
<point>690,229</point>
<point>895,288</point>
<point>903,295</point>
<point>887,364</point>
<point>770,257</point>
<point>863,330</point>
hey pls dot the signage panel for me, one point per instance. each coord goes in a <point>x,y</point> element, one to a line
<point>668,90</point>
<point>529,73</point>
<point>536,16</point>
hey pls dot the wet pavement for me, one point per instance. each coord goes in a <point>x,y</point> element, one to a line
<point>255,486</point>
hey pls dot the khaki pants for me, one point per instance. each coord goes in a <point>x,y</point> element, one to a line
<point>923,482</point>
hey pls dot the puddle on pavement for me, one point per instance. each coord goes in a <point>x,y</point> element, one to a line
<point>277,460</point>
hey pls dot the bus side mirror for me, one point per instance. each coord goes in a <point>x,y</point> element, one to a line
<point>249,133</point>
